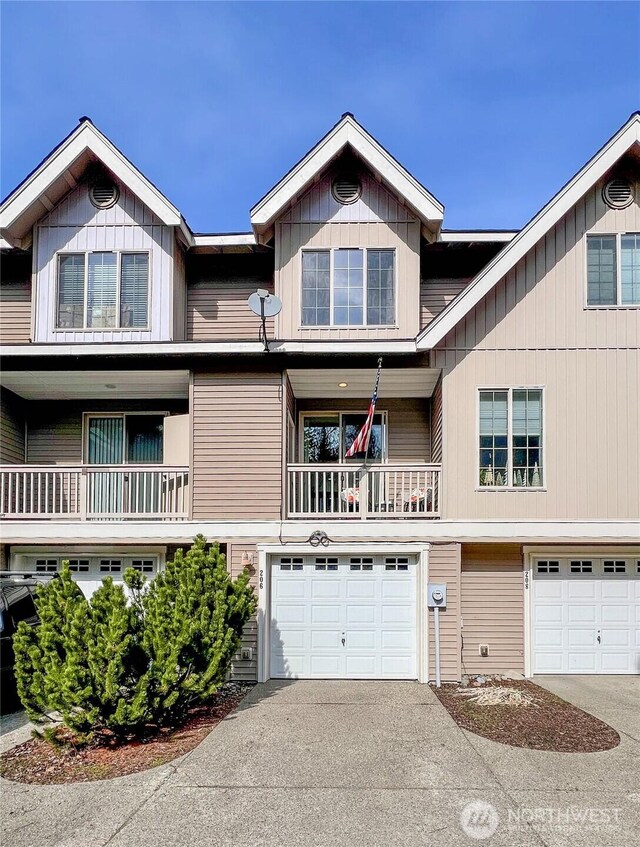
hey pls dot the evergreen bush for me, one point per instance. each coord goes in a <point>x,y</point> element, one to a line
<point>123,664</point>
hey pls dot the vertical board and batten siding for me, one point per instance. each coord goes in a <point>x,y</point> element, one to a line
<point>444,566</point>
<point>75,225</point>
<point>409,431</point>
<point>12,427</point>
<point>492,608</point>
<point>217,310</point>
<point>245,670</point>
<point>533,330</point>
<point>436,294</point>
<point>237,446</point>
<point>376,220</point>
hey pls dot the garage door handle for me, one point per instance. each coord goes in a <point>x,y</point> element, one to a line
<point>344,641</point>
<point>598,638</point>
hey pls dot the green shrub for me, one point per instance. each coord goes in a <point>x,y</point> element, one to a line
<point>112,664</point>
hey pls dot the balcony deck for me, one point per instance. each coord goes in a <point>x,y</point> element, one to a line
<point>94,492</point>
<point>359,492</point>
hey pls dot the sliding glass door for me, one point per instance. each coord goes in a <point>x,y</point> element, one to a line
<point>124,439</point>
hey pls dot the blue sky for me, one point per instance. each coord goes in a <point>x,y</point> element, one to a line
<point>492,106</point>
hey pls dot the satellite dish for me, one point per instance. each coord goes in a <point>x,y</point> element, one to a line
<point>265,305</point>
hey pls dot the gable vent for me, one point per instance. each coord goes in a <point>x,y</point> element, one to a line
<point>617,193</point>
<point>103,194</point>
<point>346,189</point>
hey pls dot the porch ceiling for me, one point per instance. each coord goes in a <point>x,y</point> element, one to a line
<point>97,385</point>
<point>324,383</point>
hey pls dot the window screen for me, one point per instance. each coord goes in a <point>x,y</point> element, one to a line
<point>70,291</point>
<point>134,293</point>
<point>102,290</point>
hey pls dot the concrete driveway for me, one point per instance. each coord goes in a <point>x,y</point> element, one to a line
<point>325,764</point>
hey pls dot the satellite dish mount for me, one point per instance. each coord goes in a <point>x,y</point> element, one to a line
<point>265,305</point>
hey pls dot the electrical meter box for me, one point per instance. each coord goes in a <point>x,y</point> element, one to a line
<point>436,595</point>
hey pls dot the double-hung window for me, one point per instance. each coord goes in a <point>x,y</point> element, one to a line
<point>348,287</point>
<point>613,269</point>
<point>510,438</point>
<point>103,290</point>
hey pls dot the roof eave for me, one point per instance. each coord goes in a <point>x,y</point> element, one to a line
<point>538,226</point>
<point>85,137</point>
<point>346,132</point>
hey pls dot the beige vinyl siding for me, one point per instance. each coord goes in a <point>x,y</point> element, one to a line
<point>444,566</point>
<point>75,225</point>
<point>237,446</point>
<point>11,428</point>
<point>436,423</point>
<point>15,312</point>
<point>246,671</point>
<point>436,294</point>
<point>409,431</point>
<point>492,608</point>
<point>533,330</point>
<point>218,310</point>
<point>376,220</point>
<point>179,293</point>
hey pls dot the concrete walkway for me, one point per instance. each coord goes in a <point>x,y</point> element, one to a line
<point>326,764</point>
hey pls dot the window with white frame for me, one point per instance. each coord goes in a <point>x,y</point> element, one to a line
<point>348,287</point>
<point>613,269</point>
<point>103,290</point>
<point>510,438</point>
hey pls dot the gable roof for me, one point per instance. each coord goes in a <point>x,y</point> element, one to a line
<point>39,192</point>
<point>346,132</point>
<point>528,237</point>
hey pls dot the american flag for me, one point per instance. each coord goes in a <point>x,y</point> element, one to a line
<point>361,441</point>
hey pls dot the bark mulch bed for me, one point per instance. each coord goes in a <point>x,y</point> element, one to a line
<point>38,763</point>
<point>550,723</point>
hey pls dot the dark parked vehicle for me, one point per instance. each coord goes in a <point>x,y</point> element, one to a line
<point>17,591</point>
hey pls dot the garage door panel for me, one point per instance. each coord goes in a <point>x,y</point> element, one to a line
<point>321,639</point>
<point>401,667</point>
<point>396,614</point>
<point>397,640</point>
<point>325,614</point>
<point>292,589</point>
<point>584,617</point>
<point>361,666</point>
<point>322,589</point>
<point>325,665</point>
<point>284,614</point>
<point>361,614</point>
<point>401,589</point>
<point>361,589</point>
<point>362,639</point>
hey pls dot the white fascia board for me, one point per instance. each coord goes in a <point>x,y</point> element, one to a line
<point>467,236</point>
<point>238,239</point>
<point>87,137</point>
<point>297,532</point>
<point>208,347</point>
<point>347,131</point>
<point>528,237</point>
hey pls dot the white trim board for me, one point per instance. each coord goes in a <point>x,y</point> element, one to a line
<point>357,531</point>
<point>528,237</point>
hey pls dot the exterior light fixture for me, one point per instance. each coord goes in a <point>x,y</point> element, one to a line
<point>342,384</point>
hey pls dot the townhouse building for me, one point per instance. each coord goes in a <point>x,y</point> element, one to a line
<point>141,405</point>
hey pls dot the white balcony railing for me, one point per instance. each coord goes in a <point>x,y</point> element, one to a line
<point>94,492</point>
<point>372,491</point>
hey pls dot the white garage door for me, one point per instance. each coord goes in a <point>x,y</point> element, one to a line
<point>89,571</point>
<point>351,617</point>
<point>586,616</point>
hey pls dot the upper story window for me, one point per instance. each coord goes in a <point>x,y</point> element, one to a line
<point>510,432</point>
<point>613,270</point>
<point>103,290</point>
<point>348,287</point>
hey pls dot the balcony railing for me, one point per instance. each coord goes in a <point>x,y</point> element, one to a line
<point>94,492</point>
<point>361,492</point>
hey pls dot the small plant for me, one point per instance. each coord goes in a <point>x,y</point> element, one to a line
<point>116,665</point>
